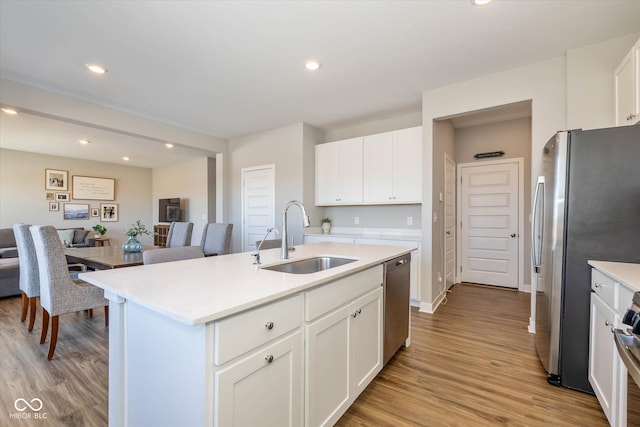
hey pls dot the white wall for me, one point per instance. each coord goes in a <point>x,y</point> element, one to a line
<point>544,83</point>
<point>190,182</point>
<point>22,192</point>
<point>285,148</point>
<point>373,126</point>
<point>590,91</point>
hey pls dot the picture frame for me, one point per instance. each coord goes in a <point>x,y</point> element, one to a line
<point>75,211</point>
<point>108,212</point>
<point>55,179</point>
<point>62,197</point>
<point>95,212</point>
<point>54,206</point>
<point>50,196</point>
<point>92,188</point>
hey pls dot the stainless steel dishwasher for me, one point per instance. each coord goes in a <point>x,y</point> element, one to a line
<point>396,304</point>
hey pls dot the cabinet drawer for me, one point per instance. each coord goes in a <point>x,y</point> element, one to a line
<point>329,297</point>
<point>604,286</point>
<point>623,300</point>
<point>242,332</point>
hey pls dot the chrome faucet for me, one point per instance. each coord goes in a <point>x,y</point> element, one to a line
<point>284,252</point>
<point>257,254</point>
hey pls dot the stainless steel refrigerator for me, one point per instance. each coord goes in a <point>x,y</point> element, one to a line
<point>586,206</point>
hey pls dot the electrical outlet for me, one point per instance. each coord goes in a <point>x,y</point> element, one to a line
<point>356,220</point>
<point>435,217</point>
<point>409,220</point>
<point>439,277</point>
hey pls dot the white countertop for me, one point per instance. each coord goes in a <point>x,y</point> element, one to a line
<point>628,274</point>
<point>202,290</point>
<point>368,233</point>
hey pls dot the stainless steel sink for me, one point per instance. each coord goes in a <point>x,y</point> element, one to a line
<point>310,265</point>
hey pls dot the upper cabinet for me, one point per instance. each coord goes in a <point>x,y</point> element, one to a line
<point>393,167</point>
<point>627,88</point>
<point>383,168</point>
<point>339,173</point>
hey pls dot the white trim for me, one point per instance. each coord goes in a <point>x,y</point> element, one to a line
<point>444,228</point>
<point>521,214</point>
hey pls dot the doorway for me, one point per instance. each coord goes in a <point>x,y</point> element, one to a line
<point>258,203</point>
<point>490,228</point>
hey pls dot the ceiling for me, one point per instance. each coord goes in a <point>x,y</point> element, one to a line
<point>233,68</point>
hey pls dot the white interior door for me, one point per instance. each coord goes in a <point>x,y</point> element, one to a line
<point>489,223</point>
<point>258,204</point>
<point>449,222</point>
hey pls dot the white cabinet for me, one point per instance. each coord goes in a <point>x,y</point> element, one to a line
<point>393,167</point>
<point>607,373</point>
<point>264,388</point>
<point>343,338</point>
<point>627,88</point>
<point>603,357</point>
<point>339,172</point>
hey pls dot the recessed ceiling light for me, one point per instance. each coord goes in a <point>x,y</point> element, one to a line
<point>312,65</point>
<point>168,145</point>
<point>126,159</point>
<point>95,68</point>
<point>9,111</point>
<point>480,2</point>
<point>84,141</point>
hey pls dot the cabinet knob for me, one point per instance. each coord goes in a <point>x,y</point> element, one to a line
<point>597,285</point>
<point>269,325</point>
<point>607,323</point>
<point>269,358</point>
<point>513,234</point>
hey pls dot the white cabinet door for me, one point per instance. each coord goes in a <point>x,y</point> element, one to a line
<point>339,172</point>
<point>603,357</point>
<point>627,88</point>
<point>408,165</point>
<point>378,168</point>
<point>393,167</point>
<point>265,388</point>
<point>366,351</point>
<point>327,369</point>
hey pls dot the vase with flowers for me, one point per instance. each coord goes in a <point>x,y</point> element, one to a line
<point>132,244</point>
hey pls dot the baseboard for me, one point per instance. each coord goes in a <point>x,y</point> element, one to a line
<point>525,288</point>
<point>532,326</point>
<point>426,307</point>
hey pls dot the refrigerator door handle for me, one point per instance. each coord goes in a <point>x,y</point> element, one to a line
<point>537,230</point>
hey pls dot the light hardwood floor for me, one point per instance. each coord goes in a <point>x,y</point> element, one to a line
<point>473,363</point>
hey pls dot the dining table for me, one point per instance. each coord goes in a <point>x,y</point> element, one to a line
<point>105,257</point>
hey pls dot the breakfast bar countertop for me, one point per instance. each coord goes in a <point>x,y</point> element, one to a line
<point>201,290</point>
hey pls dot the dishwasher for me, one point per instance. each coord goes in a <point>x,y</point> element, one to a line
<point>396,304</point>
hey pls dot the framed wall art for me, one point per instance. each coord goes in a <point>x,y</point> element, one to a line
<point>95,212</point>
<point>108,212</point>
<point>54,206</point>
<point>76,211</point>
<point>62,197</point>
<point>50,196</point>
<point>56,180</point>
<point>90,188</point>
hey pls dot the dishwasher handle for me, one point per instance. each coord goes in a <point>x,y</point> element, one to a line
<point>400,262</point>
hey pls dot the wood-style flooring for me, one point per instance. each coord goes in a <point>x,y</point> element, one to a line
<point>472,363</point>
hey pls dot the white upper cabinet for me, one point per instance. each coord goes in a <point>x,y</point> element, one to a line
<point>627,88</point>
<point>393,167</point>
<point>386,170</point>
<point>339,172</point>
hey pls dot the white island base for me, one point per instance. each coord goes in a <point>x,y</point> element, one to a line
<point>296,352</point>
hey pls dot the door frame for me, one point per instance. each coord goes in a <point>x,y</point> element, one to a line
<point>520,162</point>
<point>448,159</point>
<point>243,172</point>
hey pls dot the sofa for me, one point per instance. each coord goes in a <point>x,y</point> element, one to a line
<point>10,265</point>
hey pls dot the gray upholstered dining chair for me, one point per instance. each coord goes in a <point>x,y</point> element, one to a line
<point>29,277</point>
<point>179,234</point>
<point>59,294</point>
<point>155,256</point>
<point>216,239</point>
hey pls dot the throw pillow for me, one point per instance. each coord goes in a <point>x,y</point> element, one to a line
<point>79,236</point>
<point>66,236</point>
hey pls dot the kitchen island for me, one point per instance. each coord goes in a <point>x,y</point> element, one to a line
<point>220,342</point>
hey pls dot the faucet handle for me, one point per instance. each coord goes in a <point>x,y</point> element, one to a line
<point>256,257</point>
